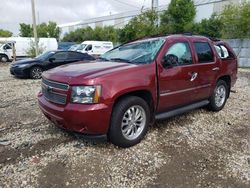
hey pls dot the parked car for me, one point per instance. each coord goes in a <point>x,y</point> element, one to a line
<point>136,84</point>
<point>95,48</point>
<point>21,45</point>
<point>33,68</point>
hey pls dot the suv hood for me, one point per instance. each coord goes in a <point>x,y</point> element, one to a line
<point>82,71</point>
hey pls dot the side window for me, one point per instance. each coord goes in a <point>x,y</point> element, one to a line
<point>204,52</point>
<point>7,46</point>
<point>223,52</point>
<point>73,55</point>
<point>89,47</point>
<point>60,56</point>
<point>178,54</point>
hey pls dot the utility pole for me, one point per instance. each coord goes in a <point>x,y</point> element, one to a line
<point>34,25</point>
<point>154,7</point>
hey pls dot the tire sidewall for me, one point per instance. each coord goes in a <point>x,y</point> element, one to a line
<point>4,56</point>
<point>115,133</point>
<point>30,72</point>
<point>213,105</point>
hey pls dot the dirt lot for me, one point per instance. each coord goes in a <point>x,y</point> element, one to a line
<point>199,149</point>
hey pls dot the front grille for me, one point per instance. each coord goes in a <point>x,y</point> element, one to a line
<point>49,90</point>
<point>55,84</point>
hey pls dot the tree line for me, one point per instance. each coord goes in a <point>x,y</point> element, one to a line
<point>232,22</point>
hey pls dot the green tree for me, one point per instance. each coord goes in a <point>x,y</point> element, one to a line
<point>53,30</point>
<point>43,30</point>
<point>5,33</point>
<point>31,51</point>
<point>179,17</point>
<point>25,30</point>
<point>209,27</point>
<point>236,21</point>
<point>139,26</point>
<point>108,33</point>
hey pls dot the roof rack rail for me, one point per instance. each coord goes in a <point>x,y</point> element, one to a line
<point>214,39</point>
<point>188,33</point>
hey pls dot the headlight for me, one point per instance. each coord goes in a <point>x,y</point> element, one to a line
<point>85,94</point>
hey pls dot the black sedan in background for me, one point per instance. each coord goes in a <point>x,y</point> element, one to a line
<point>33,68</point>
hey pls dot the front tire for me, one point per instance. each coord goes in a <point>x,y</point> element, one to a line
<point>219,96</point>
<point>4,58</point>
<point>36,72</point>
<point>129,121</point>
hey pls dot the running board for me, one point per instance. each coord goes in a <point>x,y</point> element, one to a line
<point>181,110</point>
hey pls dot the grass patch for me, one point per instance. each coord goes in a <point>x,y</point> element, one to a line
<point>248,68</point>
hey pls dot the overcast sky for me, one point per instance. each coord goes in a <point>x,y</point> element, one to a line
<point>14,12</point>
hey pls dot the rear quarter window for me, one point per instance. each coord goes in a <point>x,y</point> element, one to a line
<point>204,52</point>
<point>223,52</point>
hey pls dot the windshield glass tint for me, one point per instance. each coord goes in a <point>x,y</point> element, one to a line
<point>44,55</point>
<point>81,46</point>
<point>141,52</point>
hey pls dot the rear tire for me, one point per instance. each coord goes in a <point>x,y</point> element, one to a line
<point>219,96</point>
<point>36,72</point>
<point>129,121</point>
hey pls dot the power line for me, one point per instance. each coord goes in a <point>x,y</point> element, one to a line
<point>160,9</point>
<point>128,4</point>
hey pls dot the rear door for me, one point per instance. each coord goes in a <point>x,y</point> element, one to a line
<point>177,82</point>
<point>208,67</point>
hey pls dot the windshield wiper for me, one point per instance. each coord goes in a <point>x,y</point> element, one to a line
<point>102,58</point>
<point>121,60</point>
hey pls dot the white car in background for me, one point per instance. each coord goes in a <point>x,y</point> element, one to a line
<point>22,45</point>
<point>95,48</point>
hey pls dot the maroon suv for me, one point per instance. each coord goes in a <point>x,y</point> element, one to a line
<point>129,87</point>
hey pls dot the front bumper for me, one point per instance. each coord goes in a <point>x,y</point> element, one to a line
<point>87,119</point>
<point>16,71</point>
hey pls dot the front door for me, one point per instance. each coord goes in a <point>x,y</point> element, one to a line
<point>177,76</point>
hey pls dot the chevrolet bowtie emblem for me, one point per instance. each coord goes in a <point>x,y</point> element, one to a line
<point>49,88</point>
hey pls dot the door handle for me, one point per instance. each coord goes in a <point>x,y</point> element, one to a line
<point>193,76</point>
<point>215,69</point>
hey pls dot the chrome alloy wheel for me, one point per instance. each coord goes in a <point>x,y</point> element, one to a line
<point>36,73</point>
<point>220,95</point>
<point>133,122</point>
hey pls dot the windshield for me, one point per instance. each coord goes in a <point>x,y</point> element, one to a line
<point>81,46</point>
<point>141,52</point>
<point>74,47</point>
<point>44,55</point>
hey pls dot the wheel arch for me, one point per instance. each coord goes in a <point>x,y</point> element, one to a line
<point>32,66</point>
<point>146,95</point>
<point>227,79</point>
<point>3,54</point>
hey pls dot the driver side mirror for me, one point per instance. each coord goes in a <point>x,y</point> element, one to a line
<point>52,59</point>
<point>169,61</point>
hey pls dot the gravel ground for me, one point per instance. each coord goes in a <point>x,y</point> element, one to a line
<point>198,149</point>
